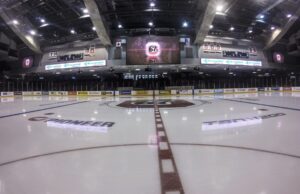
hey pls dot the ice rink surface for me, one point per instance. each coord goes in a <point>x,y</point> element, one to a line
<point>231,144</point>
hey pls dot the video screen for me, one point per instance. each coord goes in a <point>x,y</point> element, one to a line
<point>147,50</point>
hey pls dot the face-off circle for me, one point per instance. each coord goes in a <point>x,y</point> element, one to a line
<point>150,103</point>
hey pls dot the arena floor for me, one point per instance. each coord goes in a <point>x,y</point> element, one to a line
<point>233,144</point>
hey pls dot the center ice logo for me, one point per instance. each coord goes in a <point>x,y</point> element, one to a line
<point>150,103</point>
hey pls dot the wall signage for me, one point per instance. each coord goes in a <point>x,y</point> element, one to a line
<point>83,64</point>
<point>208,61</point>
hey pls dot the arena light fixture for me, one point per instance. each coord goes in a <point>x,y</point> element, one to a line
<point>42,20</point>
<point>272,28</point>
<point>250,31</point>
<point>120,26</point>
<point>185,24</point>
<point>94,28</point>
<point>211,26</point>
<point>289,15</point>
<point>219,8</point>
<point>85,10</point>
<point>231,28</point>
<point>85,16</point>
<point>150,24</point>
<point>44,25</point>
<point>72,31</point>
<point>32,32</point>
<point>15,22</point>
<point>152,4</point>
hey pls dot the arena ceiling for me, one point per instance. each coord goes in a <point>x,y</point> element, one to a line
<point>53,22</point>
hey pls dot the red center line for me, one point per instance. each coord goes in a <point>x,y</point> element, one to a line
<point>169,177</point>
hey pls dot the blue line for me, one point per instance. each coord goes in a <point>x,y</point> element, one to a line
<point>274,106</point>
<point>32,111</point>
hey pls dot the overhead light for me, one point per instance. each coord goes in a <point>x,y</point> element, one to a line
<point>44,25</point>
<point>42,20</point>
<point>120,26</point>
<point>231,28</point>
<point>94,28</point>
<point>152,9</point>
<point>138,69</point>
<point>183,68</point>
<point>16,22</point>
<point>272,28</point>
<point>185,24</point>
<point>221,13</point>
<point>261,16</point>
<point>85,16</point>
<point>289,15</point>
<point>219,8</point>
<point>152,4</point>
<point>85,10</point>
<point>32,32</point>
<point>211,26</point>
<point>250,31</point>
<point>72,31</point>
<point>150,23</point>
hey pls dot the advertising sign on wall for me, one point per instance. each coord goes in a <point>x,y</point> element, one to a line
<point>207,61</point>
<point>76,65</point>
<point>75,58</point>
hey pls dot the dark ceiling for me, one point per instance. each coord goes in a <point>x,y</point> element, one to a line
<point>168,16</point>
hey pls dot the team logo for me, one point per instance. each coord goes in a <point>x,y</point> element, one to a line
<point>278,58</point>
<point>27,62</point>
<point>153,49</point>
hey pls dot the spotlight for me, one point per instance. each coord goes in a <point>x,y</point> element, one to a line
<point>16,22</point>
<point>152,4</point>
<point>185,24</point>
<point>219,8</point>
<point>85,11</point>
<point>32,32</point>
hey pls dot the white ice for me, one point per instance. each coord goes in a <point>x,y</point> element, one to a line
<point>250,156</point>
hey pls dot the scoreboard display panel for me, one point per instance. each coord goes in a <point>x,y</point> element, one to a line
<point>147,50</point>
